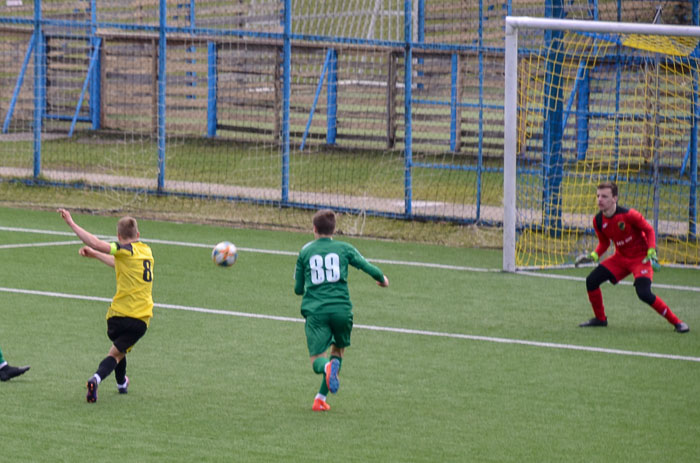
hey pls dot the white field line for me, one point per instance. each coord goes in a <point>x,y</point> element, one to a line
<point>255,250</point>
<point>367,327</point>
<point>290,253</point>
<point>374,328</point>
<point>31,245</point>
<point>629,283</point>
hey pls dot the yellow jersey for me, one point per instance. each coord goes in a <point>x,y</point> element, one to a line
<point>133,264</point>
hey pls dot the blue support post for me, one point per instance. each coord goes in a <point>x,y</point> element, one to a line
<point>453,104</point>
<point>582,90</point>
<point>408,81</point>
<point>96,75</point>
<point>420,36</point>
<point>329,54</point>
<point>582,118</point>
<point>421,22</point>
<point>192,49</point>
<point>552,160</point>
<point>212,81</point>
<point>693,196</point>
<point>39,85</point>
<point>286,92</point>
<point>332,96</point>
<point>18,85</point>
<point>593,9</point>
<point>162,83</point>
<point>480,152</point>
<point>91,68</point>
<point>582,114</point>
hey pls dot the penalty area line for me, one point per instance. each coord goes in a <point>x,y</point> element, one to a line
<point>549,345</point>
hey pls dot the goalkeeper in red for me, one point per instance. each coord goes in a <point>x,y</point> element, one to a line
<point>322,278</point>
<point>635,253</point>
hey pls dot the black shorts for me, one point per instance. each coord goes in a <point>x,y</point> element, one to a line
<point>125,331</point>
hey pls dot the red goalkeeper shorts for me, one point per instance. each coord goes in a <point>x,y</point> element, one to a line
<point>621,266</point>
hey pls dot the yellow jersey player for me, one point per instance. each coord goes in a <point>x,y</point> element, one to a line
<point>132,306</point>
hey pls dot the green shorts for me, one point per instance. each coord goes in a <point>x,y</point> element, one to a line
<point>325,329</point>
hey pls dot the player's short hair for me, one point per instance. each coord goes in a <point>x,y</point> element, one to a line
<point>324,221</point>
<point>127,228</point>
<point>611,185</point>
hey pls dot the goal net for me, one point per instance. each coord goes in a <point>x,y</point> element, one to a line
<point>251,112</point>
<point>588,102</point>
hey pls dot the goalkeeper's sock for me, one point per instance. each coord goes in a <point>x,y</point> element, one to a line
<point>2,360</point>
<point>596,298</point>
<point>106,367</point>
<point>660,306</point>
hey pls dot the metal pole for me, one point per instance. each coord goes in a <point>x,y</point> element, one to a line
<point>162,83</point>
<point>510,121</point>
<point>286,93</point>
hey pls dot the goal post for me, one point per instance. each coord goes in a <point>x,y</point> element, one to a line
<point>590,101</point>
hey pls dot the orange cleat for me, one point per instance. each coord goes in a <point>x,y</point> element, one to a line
<point>320,406</point>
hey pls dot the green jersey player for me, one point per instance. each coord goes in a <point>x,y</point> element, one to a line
<point>322,278</point>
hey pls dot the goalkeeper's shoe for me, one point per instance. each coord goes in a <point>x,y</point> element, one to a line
<point>124,388</point>
<point>91,390</point>
<point>320,406</point>
<point>682,327</point>
<point>332,381</point>
<point>8,372</point>
<point>594,322</point>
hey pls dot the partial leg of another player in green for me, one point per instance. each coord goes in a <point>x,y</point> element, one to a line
<point>7,371</point>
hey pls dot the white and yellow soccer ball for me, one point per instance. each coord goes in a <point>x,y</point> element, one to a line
<point>224,254</point>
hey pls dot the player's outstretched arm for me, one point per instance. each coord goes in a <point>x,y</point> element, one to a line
<point>586,258</point>
<point>84,235</point>
<point>87,251</point>
<point>384,283</point>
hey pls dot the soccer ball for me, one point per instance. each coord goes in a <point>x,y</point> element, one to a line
<point>224,254</point>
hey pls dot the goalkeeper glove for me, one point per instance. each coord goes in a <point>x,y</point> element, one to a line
<point>651,257</point>
<point>586,258</point>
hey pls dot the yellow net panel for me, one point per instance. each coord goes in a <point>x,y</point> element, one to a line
<point>596,108</point>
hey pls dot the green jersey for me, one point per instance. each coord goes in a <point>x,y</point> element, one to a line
<point>322,275</point>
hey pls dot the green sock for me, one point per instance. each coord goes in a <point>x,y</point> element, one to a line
<point>323,390</point>
<point>2,359</point>
<point>319,365</point>
<point>320,369</point>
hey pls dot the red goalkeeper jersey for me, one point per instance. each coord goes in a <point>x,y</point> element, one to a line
<point>627,229</point>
